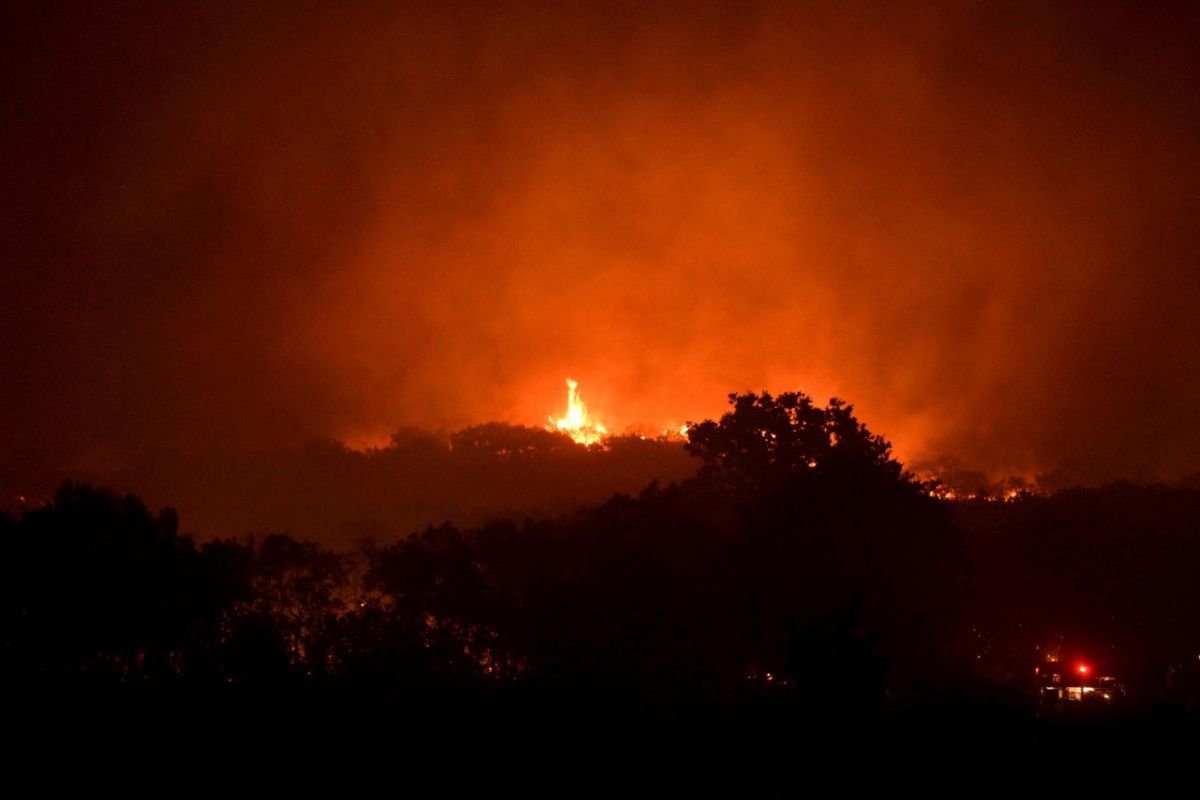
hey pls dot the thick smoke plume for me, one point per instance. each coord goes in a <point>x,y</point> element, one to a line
<point>233,228</point>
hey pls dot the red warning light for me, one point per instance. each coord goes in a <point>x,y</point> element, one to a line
<point>1082,669</point>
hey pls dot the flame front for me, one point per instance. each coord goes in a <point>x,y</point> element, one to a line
<point>577,424</point>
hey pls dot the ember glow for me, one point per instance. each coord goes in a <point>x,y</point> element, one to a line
<point>577,422</point>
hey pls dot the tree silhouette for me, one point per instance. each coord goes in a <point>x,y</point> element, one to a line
<point>766,440</point>
<point>302,588</point>
<point>96,584</point>
<point>802,587</point>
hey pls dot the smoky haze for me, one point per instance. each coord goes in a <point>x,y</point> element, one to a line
<point>232,228</point>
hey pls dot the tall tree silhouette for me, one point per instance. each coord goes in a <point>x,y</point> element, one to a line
<point>766,440</point>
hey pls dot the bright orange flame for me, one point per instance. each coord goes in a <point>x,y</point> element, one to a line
<point>577,424</point>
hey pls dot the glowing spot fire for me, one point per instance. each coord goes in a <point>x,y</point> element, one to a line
<point>577,424</point>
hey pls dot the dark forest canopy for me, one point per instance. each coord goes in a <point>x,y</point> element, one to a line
<point>802,577</point>
<point>670,540</point>
<point>798,516</point>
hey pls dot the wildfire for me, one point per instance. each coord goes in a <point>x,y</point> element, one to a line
<point>576,423</point>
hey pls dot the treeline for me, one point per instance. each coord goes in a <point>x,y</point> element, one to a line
<point>801,579</point>
<point>800,555</point>
<point>331,493</point>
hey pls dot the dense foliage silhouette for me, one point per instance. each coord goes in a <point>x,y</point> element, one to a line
<point>800,600</point>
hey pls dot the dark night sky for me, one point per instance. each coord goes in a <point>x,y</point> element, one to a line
<point>230,226</point>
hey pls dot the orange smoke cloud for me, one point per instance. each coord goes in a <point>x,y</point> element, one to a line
<point>255,227</point>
